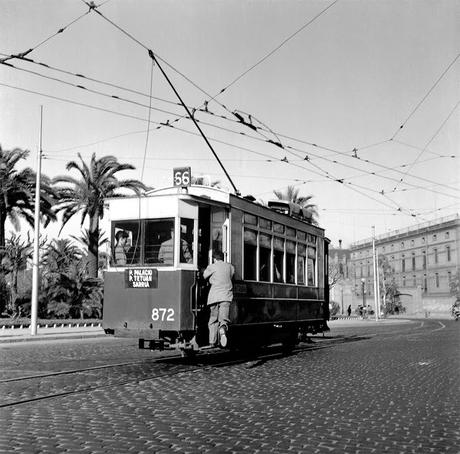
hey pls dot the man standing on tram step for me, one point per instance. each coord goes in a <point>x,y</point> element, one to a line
<point>220,296</point>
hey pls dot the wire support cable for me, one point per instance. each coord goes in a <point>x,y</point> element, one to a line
<point>425,97</point>
<point>148,121</point>
<point>234,81</point>
<point>33,48</point>
<point>427,145</point>
<point>175,127</point>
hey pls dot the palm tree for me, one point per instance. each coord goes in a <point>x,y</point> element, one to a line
<point>14,260</point>
<point>291,194</point>
<point>202,180</point>
<point>67,290</point>
<point>83,239</point>
<point>17,193</point>
<point>86,195</point>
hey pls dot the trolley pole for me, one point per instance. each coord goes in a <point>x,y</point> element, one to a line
<point>35,261</point>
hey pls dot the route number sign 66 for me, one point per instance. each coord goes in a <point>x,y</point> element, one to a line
<point>182,176</point>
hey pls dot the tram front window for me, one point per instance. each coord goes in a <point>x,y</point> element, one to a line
<point>186,238</point>
<point>159,242</point>
<point>126,243</point>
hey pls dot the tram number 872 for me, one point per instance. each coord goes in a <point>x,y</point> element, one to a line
<point>162,314</point>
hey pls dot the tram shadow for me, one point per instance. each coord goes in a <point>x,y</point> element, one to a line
<point>257,356</point>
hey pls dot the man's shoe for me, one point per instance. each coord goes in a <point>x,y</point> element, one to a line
<point>223,336</point>
<point>208,347</point>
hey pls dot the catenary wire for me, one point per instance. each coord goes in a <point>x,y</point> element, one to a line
<point>426,96</point>
<point>171,113</point>
<point>180,129</point>
<point>427,145</point>
<point>61,30</point>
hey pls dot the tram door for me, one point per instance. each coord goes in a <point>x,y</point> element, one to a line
<point>212,236</point>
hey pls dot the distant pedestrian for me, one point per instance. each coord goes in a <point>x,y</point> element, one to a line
<point>220,296</point>
<point>349,310</point>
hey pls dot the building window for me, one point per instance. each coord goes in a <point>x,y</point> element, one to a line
<point>449,277</point>
<point>402,244</point>
<point>434,237</point>
<point>404,281</point>
<point>425,283</point>
<point>413,261</point>
<point>403,264</point>
<point>423,240</point>
<point>392,246</point>
<point>448,253</point>
<point>447,235</point>
<point>414,280</point>
<point>424,260</point>
<point>412,242</point>
<point>437,279</point>
<point>435,251</point>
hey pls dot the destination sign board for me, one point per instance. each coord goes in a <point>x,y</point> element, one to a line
<point>141,278</point>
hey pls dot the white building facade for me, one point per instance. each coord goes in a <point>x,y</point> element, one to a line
<point>424,258</point>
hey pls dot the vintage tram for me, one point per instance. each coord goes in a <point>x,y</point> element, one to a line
<point>161,243</point>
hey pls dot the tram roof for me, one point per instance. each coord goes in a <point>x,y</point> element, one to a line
<point>219,195</point>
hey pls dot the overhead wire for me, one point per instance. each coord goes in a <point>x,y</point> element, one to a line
<point>428,144</point>
<point>33,48</point>
<point>148,121</point>
<point>269,54</point>
<point>92,7</point>
<point>226,129</point>
<point>425,96</point>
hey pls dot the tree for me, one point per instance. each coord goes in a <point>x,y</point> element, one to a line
<point>86,196</point>
<point>14,259</point>
<point>291,194</point>
<point>17,193</point>
<point>335,272</point>
<point>388,287</point>
<point>203,180</point>
<point>454,285</point>
<point>66,288</point>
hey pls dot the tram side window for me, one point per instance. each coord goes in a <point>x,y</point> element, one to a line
<point>311,266</point>
<point>126,243</point>
<point>278,259</point>
<point>265,247</point>
<point>186,235</point>
<point>250,254</point>
<point>301,262</point>
<point>159,242</point>
<point>290,262</point>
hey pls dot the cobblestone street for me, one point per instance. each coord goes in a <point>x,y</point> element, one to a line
<point>391,388</point>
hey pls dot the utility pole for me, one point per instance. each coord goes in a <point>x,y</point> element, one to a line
<point>378,285</point>
<point>375,274</point>
<point>35,261</point>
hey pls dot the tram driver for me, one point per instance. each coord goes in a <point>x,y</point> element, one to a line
<point>166,252</point>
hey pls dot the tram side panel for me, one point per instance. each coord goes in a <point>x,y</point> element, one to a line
<point>142,312</point>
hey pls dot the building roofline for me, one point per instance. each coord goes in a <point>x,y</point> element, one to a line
<point>418,228</point>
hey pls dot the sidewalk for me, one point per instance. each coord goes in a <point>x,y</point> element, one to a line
<point>9,335</point>
<point>355,321</point>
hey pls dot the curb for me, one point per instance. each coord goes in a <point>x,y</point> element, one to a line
<point>49,337</point>
<point>54,325</point>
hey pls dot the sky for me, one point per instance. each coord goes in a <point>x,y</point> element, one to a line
<point>355,102</point>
